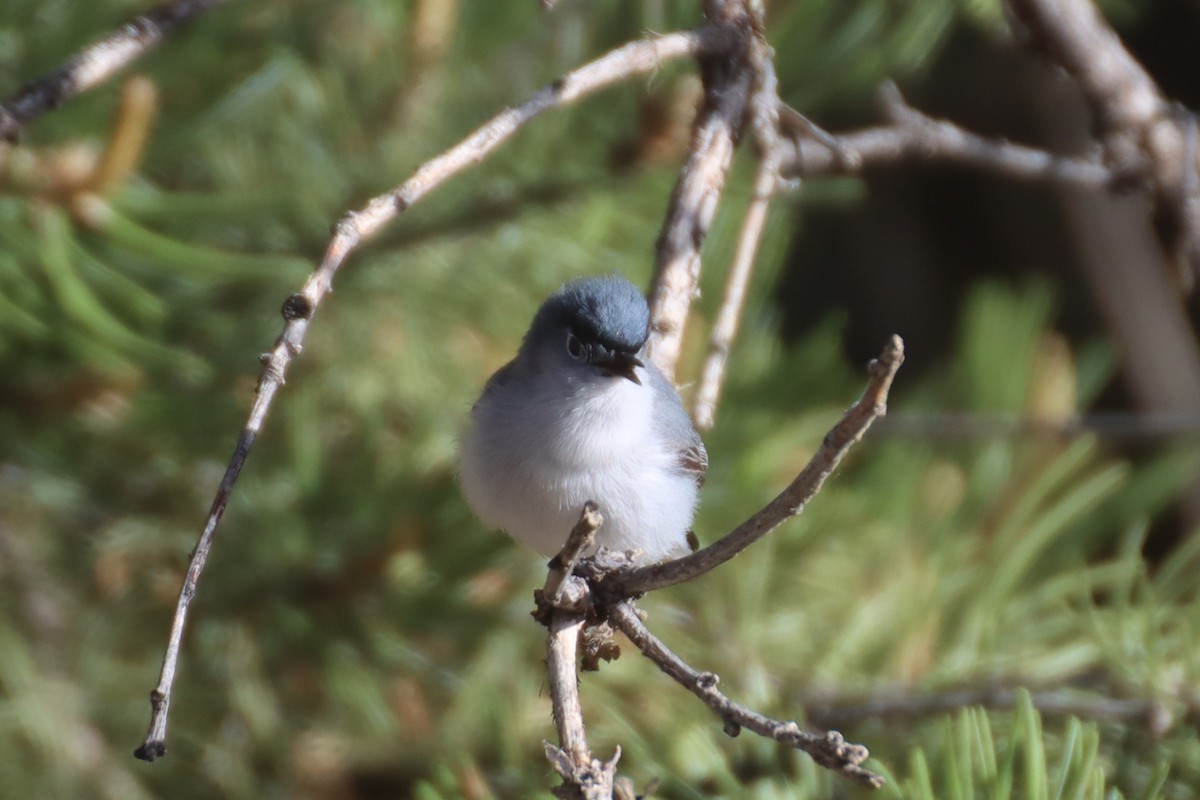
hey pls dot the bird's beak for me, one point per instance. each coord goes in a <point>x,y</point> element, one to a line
<point>623,364</point>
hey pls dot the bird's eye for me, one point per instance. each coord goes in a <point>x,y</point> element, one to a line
<point>574,346</point>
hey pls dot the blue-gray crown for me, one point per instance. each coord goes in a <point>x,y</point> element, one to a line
<point>607,310</point>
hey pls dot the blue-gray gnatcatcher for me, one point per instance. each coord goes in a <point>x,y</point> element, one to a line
<point>578,416</point>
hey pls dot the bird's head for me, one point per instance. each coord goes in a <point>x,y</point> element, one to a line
<point>594,326</point>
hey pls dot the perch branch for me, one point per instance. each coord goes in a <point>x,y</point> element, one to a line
<point>96,63</point>
<point>765,107</point>
<point>358,226</point>
<point>790,502</point>
<point>830,750</point>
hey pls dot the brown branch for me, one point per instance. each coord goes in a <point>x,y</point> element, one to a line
<point>1142,132</point>
<point>358,226</point>
<point>96,63</point>
<point>790,502</point>
<point>913,135</point>
<point>765,105</point>
<point>727,84</point>
<point>830,750</point>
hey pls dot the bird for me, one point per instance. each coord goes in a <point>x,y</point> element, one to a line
<point>581,414</point>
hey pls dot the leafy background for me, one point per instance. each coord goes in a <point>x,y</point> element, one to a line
<point>358,634</point>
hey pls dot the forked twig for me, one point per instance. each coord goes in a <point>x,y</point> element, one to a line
<point>358,226</point>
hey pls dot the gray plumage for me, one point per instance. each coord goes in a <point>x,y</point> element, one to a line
<point>578,416</point>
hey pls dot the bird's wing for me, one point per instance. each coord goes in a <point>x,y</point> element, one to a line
<point>693,460</point>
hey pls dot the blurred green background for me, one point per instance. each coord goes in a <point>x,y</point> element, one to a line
<point>1025,603</point>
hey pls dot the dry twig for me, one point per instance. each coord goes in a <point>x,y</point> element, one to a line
<point>96,63</point>
<point>356,227</point>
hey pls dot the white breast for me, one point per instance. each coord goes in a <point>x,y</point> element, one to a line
<point>528,467</point>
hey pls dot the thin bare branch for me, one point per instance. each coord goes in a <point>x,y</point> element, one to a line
<point>795,126</point>
<point>765,105</point>
<point>790,502</point>
<point>715,133</point>
<point>155,745</point>
<point>96,63</point>
<point>830,750</point>
<point>357,227</point>
<point>913,135</point>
